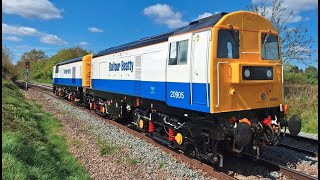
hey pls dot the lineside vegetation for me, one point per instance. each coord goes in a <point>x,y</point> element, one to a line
<point>33,145</point>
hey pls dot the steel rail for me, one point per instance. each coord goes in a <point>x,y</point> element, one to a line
<point>304,151</point>
<point>196,164</point>
<point>282,169</point>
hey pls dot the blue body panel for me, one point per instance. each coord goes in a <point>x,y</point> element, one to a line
<point>67,82</point>
<point>198,91</point>
<point>173,93</point>
<point>161,91</point>
<point>145,89</point>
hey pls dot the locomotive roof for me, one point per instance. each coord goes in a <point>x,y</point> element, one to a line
<point>70,61</point>
<point>195,25</point>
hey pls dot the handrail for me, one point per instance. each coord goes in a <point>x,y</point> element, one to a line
<point>218,83</point>
<point>281,64</point>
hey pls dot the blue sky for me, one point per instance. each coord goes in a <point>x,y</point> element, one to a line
<point>51,25</point>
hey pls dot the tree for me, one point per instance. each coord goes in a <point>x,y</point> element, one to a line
<point>8,69</point>
<point>62,55</point>
<point>311,72</point>
<point>296,43</point>
<point>291,68</point>
<point>34,55</point>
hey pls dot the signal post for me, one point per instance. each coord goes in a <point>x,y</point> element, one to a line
<point>26,74</point>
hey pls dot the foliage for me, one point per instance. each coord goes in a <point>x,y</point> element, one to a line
<point>41,69</point>
<point>33,145</point>
<point>106,148</point>
<point>296,43</point>
<point>294,75</point>
<point>33,55</point>
<point>303,101</point>
<point>8,69</point>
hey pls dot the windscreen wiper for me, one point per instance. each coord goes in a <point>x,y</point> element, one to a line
<point>234,36</point>
<point>265,40</point>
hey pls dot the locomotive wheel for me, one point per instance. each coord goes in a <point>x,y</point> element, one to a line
<point>242,134</point>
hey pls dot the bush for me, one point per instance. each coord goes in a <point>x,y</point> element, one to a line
<point>33,146</point>
<point>8,69</point>
<point>303,101</point>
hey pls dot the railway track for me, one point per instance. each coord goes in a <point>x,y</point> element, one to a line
<point>304,151</point>
<point>284,170</point>
<point>47,89</point>
<point>177,155</point>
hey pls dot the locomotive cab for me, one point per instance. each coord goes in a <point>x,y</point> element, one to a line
<point>247,79</point>
<point>246,64</point>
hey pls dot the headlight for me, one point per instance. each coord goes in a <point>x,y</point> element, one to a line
<point>247,73</point>
<point>269,73</point>
<point>257,73</point>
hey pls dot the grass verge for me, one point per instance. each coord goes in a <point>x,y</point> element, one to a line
<point>303,101</point>
<point>33,145</point>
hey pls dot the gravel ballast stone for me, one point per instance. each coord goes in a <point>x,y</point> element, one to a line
<point>145,159</point>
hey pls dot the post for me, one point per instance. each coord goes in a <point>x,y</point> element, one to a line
<point>26,75</point>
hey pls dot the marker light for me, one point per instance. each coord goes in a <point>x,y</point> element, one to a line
<point>269,73</point>
<point>247,73</point>
<point>285,108</point>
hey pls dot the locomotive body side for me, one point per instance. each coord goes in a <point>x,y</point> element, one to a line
<point>138,72</point>
<point>68,74</point>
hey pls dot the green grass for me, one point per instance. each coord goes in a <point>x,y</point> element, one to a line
<point>33,147</point>
<point>106,148</point>
<point>161,164</point>
<point>303,101</point>
<point>132,161</point>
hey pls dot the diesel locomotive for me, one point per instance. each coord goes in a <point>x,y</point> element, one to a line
<point>217,82</point>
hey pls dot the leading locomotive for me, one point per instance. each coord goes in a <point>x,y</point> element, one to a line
<point>217,82</point>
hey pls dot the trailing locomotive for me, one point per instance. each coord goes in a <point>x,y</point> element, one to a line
<point>214,83</point>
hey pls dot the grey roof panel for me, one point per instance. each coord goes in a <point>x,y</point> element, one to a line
<point>70,61</point>
<point>195,25</point>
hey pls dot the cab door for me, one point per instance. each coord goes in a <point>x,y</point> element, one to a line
<point>199,68</point>
<point>73,77</point>
<point>178,71</point>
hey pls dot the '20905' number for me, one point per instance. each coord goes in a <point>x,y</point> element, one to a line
<point>177,94</point>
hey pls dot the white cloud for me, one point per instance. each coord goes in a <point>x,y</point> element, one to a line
<point>19,30</point>
<point>42,9</point>
<point>292,5</point>
<point>94,29</point>
<point>52,39</point>
<point>163,14</point>
<point>204,15</point>
<point>28,31</point>
<point>300,5</point>
<point>12,38</point>
<point>83,43</point>
<point>293,18</point>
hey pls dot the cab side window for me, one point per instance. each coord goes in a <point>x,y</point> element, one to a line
<point>173,53</point>
<point>178,53</point>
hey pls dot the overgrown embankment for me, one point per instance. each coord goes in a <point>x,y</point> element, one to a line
<point>33,146</point>
<point>303,101</point>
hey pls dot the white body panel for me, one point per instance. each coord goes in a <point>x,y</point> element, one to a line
<point>152,65</point>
